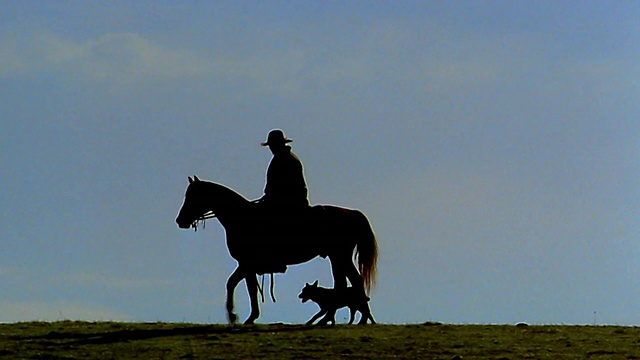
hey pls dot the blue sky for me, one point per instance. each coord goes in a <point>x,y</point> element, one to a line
<point>493,145</point>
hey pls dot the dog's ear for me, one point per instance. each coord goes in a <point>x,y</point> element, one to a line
<point>315,284</point>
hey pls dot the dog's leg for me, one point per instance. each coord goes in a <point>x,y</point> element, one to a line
<point>316,316</point>
<point>333,317</point>
<point>352,311</point>
<point>330,317</point>
<point>366,315</point>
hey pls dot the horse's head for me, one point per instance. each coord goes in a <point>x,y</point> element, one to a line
<point>194,207</point>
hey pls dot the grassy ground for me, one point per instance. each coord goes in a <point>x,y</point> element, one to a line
<point>104,340</point>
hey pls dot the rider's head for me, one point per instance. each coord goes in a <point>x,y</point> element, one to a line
<point>276,140</point>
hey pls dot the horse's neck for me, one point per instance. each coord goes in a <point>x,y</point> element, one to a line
<point>226,196</point>
<point>227,204</point>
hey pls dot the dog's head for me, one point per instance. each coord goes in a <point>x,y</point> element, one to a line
<point>308,291</point>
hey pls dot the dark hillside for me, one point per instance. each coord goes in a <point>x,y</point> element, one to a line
<point>103,340</point>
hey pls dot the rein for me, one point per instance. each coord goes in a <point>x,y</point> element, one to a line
<point>271,288</point>
<point>202,220</point>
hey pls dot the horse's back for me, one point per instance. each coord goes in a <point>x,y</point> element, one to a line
<point>333,211</point>
<point>313,227</point>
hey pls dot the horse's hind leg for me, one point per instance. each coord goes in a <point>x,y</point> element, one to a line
<point>252,288</point>
<point>343,268</point>
<point>338,271</point>
<point>232,282</point>
<point>354,276</point>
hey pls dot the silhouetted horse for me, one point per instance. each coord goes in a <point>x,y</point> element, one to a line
<point>264,244</point>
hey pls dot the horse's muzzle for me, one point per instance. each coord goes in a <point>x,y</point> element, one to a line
<point>182,224</point>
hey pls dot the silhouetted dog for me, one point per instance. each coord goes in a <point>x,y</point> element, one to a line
<point>330,300</point>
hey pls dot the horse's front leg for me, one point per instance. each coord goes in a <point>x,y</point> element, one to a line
<point>252,287</point>
<point>232,282</point>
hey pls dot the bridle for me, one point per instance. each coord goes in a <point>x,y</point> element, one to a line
<point>202,220</point>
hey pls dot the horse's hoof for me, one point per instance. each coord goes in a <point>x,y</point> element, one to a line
<point>233,318</point>
<point>249,322</point>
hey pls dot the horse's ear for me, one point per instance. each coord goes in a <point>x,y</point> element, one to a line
<point>315,284</point>
<point>195,178</point>
<point>190,179</point>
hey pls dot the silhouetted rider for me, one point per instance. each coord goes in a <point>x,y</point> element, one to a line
<point>286,188</point>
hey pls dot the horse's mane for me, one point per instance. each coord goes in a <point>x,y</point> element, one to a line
<point>229,194</point>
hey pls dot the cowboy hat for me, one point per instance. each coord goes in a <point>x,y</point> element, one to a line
<point>276,137</point>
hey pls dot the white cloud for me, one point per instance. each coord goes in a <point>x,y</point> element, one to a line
<point>131,56</point>
<point>422,58</point>
<point>299,69</point>
<point>118,58</point>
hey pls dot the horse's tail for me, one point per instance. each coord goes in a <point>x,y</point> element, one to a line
<point>366,252</point>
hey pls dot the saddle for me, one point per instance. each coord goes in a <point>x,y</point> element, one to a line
<point>284,216</point>
<point>279,229</point>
